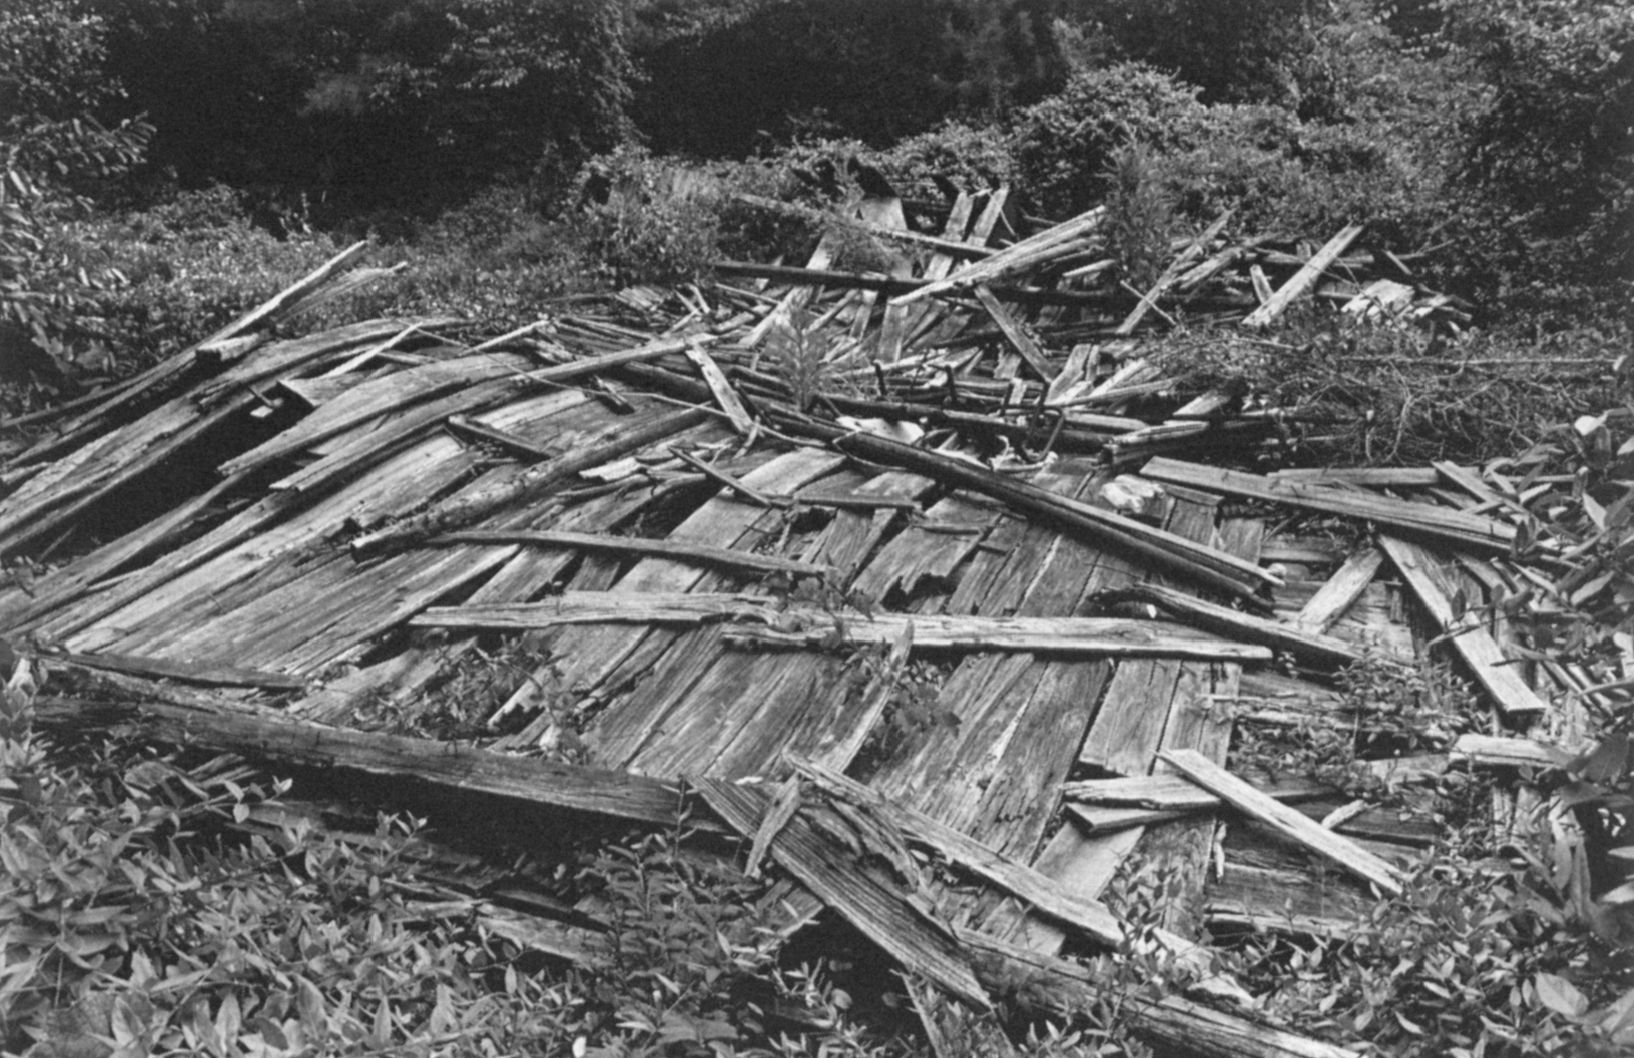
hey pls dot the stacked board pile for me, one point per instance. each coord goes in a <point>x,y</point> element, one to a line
<point>864,567</point>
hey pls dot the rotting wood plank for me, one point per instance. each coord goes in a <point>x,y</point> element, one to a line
<point>1177,554</point>
<point>1325,843</point>
<point>373,441</point>
<point>634,545</point>
<point>926,553</point>
<point>1225,621</point>
<point>1178,1025</point>
<point>1420,519</point>
<point>234,563</point>
<point>1018,338</point>
<point>588,656</point>
<point>882,915</point>
<point>527,780</point>
<point>1084,636</point>
<point>165,669</point>
<point>1272,898</point>
<point>382,396</point>
<point>1304,279</point>
<point>471,506</point>
<point>1428,580</point>
<point>1338,592</point>
<point>1092,917</point>
<point>1175,793</point>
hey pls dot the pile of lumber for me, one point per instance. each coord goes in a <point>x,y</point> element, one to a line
<point>728,518</point>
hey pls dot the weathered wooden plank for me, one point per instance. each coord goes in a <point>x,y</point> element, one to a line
<point>1031,353</point>
<point>1304,279</point>
<point>164,669</point>
<point>1240,795</point>
<point>1426,576</point>
<point>884,916</point>
<point>1272,898</point>
<point>234,567</point>
<point>527,780</point>
<point>1176,793</point>
<point>1225,621</point>
<point>1497,751</point>
<point>1129,727</point>
<point>1339,591</point>
<point>1092,917</point>
<point>1417,518</point>
<point>1081,636</point>
<point>1176,554</point>
<point>1177,1025</point>
<point>211,347</point>
<point>926,554</point>
<point>635,545</point>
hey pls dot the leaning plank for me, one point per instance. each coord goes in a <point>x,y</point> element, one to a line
<point>1041,891</point>
<point>1425,576</point>
<point>1017,336</point>
<point>524,779</point>
<point>1081,636</point>
<point>1180,1026</point>
<point>703,554</point>
<point>1467,530</point>
<point>821,865</point>
<point>1011,259</point>
<point>1223,620</point>
<point>1237,793</point>
<point>211,346</point>
<point>1337,594</point>
<point>1304,279</point>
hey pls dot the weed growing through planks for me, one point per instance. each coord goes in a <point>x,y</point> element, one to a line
<point>1139,218</point>
<point>798,358</point>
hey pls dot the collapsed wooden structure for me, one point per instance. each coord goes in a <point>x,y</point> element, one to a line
<point>732,521</point>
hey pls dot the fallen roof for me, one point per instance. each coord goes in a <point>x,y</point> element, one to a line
<point>724,529</point>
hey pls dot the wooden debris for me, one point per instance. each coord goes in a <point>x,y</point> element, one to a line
<point>463,768</point>
<point>632,545</point>
<point>1223,620</point>
<point>1071,636</point>
<point>1430,582</point>
<point>1243,797</point>
<point>881,914</point>
<point>1419,519</point>
<point>1304,279</point>
<point>1341,590</point>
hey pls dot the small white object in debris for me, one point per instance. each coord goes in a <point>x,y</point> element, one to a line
<point>1130,494</point>
<point>906,432</point>
<point>615,471</point>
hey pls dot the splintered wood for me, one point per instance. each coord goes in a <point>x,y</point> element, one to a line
<point>862,568</point>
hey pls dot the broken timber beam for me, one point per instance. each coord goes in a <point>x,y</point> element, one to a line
<point>1469,531</point>
<point>1304,279</point>
<point>1318,839</point>
<point>704,554</point>
<point>529,481</point>
<point>1223,620</point>
<point>527,780</point>
<point>1428,580</point>
<point>1185,557</point>
<point>775,626</point>
<point>1183,1027</point>
<point>882,914</point>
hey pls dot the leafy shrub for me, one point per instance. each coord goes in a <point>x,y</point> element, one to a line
<point>1064,144</point>
<point>52,152</point>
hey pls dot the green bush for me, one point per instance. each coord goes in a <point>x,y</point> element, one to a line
<point>1064,144</point>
